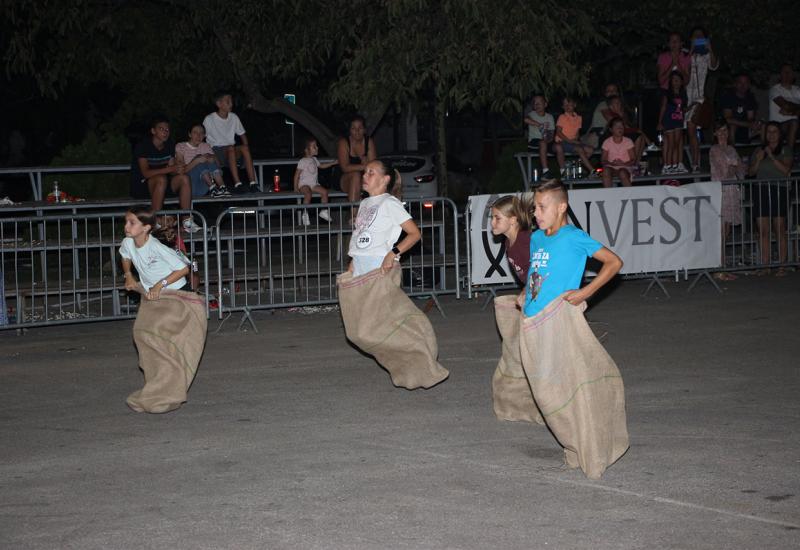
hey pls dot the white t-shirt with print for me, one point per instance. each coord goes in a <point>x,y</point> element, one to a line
<point>309,168</point>
<point>789,94</point>
<point>154,261</point>
<point>222,131</point>
<point>377,226</point>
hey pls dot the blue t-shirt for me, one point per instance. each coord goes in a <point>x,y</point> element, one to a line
<point>557,265</point>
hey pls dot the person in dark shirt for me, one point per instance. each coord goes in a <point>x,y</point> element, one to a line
<point>739,108</point>
<point>153,162</point>
<point>511,217</point>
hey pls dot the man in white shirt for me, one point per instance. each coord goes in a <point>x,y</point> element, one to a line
<point>784,104</point>
<point>222,128</point>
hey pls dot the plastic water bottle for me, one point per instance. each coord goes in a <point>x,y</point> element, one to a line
<point>56,192</point>
<point>276,181</point>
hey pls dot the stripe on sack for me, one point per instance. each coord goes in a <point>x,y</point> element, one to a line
<point>400,324</point>
<point>568,401</point>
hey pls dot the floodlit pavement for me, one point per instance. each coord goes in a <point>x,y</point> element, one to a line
<point>293,439</point>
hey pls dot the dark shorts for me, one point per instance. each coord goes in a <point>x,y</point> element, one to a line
<point>533,144</point>
<point>770,200</point>
<point>570,148</point>
<point>139,190</point>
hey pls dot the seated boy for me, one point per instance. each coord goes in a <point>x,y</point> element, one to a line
<point>540,131</point>
<point>153,162</point>
<point>222,129</point>
<point>568,129</point>
<point>558,254</point>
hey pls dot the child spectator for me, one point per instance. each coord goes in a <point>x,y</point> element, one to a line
<point>616,109</point>
<point>726,165</point>
<point>305,179</point>
<point>784,104</point>
<point>699,114</point>
<point>671,118</point>
<point>153,161</point>
<point>672,60</point>
<point>619,158</point>
<point>540,130</point>
<point>170,330</point>
<point>200,163</point>
<point>739,107</point>
<point>222,129</point>
<point>511,217</point>
<point>568,128</point>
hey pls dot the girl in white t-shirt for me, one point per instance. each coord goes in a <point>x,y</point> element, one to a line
<point>380,221</point>
<point>159,266</point>
<point>305,179</point>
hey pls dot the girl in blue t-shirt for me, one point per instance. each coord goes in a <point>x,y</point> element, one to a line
<point>558,255</point>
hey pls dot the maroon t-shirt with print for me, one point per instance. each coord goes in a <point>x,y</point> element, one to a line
<point>519,255</point>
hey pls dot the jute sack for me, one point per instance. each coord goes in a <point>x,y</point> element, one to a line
<point>511,393</point>
<point>170,334</point>
<point>381,320</point>
<point>577,386</point>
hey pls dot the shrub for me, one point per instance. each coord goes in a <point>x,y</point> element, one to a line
<point>94,149</point>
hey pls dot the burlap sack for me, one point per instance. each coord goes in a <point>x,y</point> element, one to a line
<point>511,393</point>
<point>577,386</point>
<point>170,334</point>
<point>381,320</point>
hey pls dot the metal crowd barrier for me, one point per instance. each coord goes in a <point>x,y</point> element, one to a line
<point>760,224</point>
<point>268,258</point>
<point>63,269</point>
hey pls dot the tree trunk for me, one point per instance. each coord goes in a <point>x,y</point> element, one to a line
<point>325,136</point>
<point>441,138</point>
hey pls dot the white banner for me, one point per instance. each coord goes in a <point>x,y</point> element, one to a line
<point>652,228</point>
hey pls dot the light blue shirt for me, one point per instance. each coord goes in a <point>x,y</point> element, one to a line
<point>557,265</point>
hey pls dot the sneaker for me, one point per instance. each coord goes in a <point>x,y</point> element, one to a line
<point>215,192</point>
<point>652,147</point>
<point>222,191</point>
<point>238,188</point>
<point>325,215</point>
<point>546,175</point>
<point>668,169</point>
<point>190,227</point>
<point>563,173</point>
<point>254,188</point>
<point>306,221</point>
<point>681,169</point>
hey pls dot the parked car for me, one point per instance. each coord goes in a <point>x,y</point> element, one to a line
<point>418,171</point>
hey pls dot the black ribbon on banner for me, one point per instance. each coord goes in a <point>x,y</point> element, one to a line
<point>494,261</point>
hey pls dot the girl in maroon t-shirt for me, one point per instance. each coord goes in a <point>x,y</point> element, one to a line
<point>511,217</point>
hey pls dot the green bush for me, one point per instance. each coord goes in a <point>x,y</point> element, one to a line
<point>507,177</point>
<point>94,149</point>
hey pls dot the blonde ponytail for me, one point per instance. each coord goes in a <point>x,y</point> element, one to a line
<point>396,187</point>
<point>520,207</point>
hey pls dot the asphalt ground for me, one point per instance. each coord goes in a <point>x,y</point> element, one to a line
<point>293,439</point>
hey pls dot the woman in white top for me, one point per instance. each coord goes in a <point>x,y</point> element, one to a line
<point>381,219</point>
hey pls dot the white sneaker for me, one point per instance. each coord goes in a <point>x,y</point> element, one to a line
<point>681,169</point>
<point>190,227</point>
<point>652,147</point>
<point>306,221</point>
<point>325,215</point>
<point>668,169</point>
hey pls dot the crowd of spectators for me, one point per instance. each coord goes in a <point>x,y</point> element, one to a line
<point>687,113</point>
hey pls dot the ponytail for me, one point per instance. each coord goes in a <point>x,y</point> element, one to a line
<point>517,206</point>
<point>396,184</point>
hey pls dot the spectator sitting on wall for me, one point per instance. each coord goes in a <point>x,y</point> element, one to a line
<point>616,109</point>
<point>223,129</point>
<point>601,116</point>
<point>784,104</point>
<point>739,108</point>
<point>700,113</point>
<point>541,128</point>
<point>618,155</point>
<point>568,129</point>
<point>153,162</point>
<point>200,163</point>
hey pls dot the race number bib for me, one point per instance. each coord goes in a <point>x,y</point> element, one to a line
<point>363,240</point>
